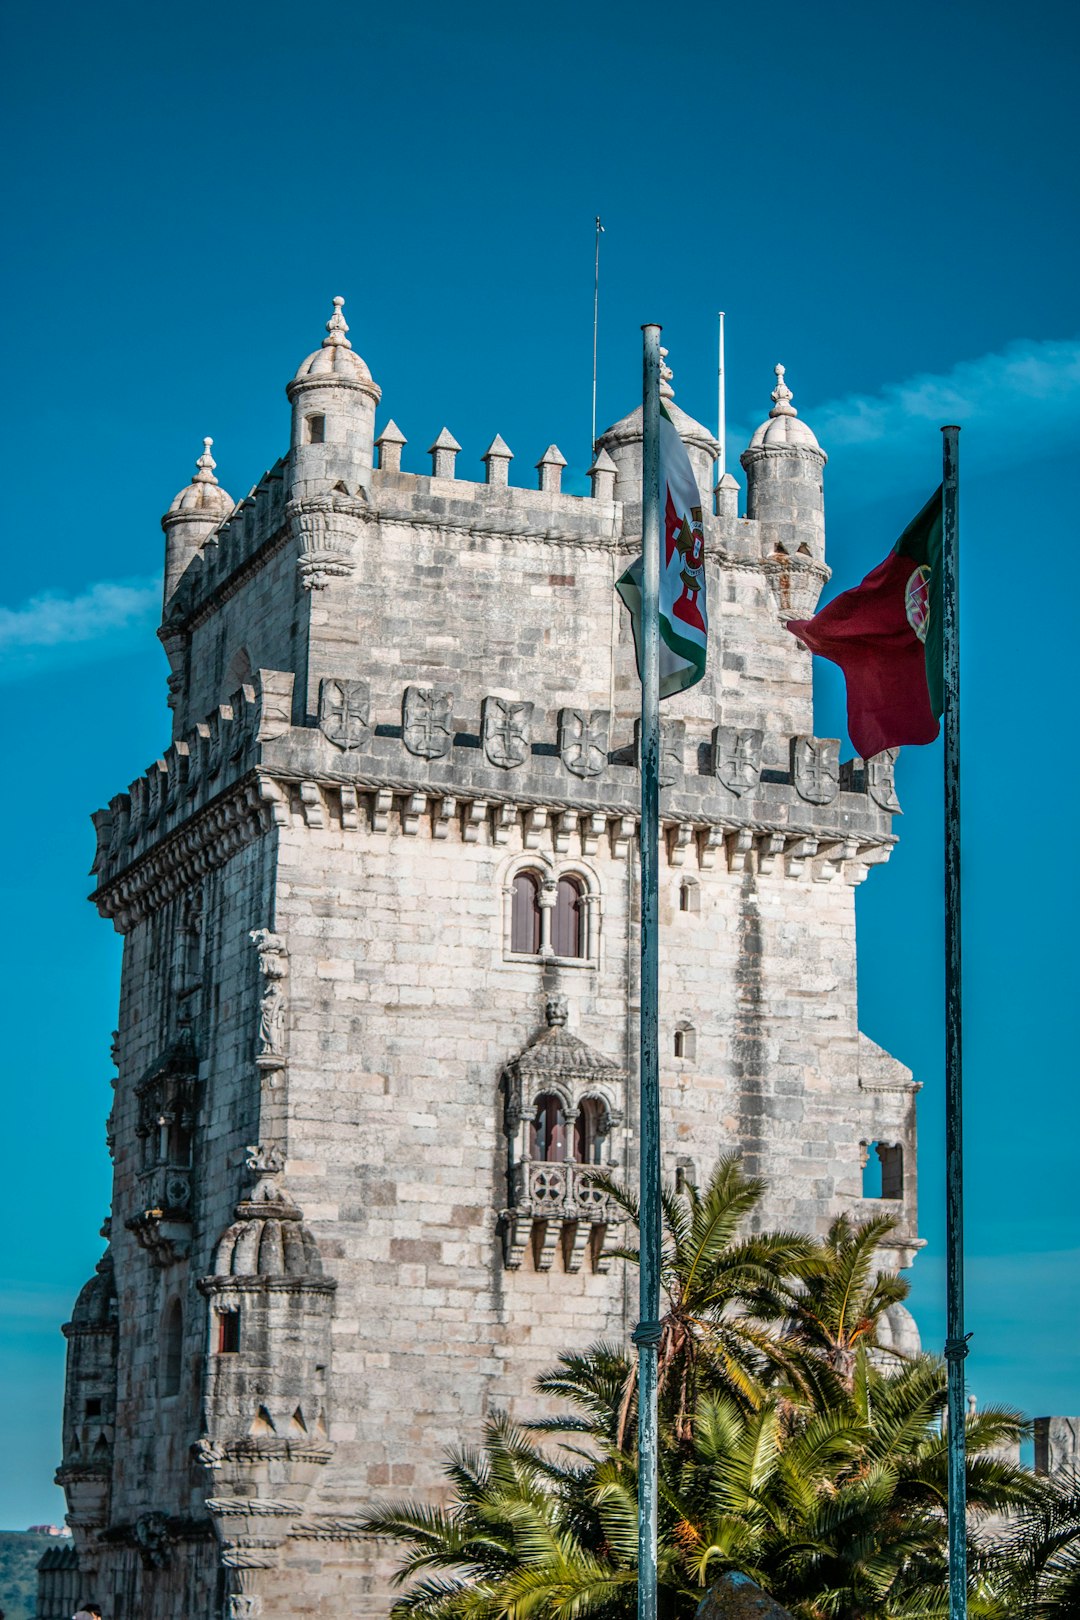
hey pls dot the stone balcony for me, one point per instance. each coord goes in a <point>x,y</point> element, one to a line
<point>558,1202</point>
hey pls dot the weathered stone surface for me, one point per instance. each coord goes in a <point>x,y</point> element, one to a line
<point>337,1241</point>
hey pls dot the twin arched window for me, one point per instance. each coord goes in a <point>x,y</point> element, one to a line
<point>548,1136</point>
<point>567,925</point>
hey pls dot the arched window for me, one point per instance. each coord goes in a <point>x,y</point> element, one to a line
<point>568,923</point>
<point>525,914</point>
<point>172,1349</point>
<point>685,1041</point>
<point>689,895</point>
<point>589,1132</point>
<point>547,1134</point>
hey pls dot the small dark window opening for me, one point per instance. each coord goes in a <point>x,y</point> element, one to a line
<point>228,1333</point>
<point>684,1176</point>
<point>883,1171</point>
<point>685,1042</point>
<point>316,429</point>
<point>525,914</point>
<point>179,1146</point>
<point>588,1132</point>
<point>689,895</point>
<point>568,924</point>
<point>93,1406</point>
<point>547,1134</point>
<point>172,1359</point>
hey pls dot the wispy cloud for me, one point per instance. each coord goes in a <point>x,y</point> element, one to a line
<point>1015,406</point>
<point>52,619</point>
<point>53,628</point>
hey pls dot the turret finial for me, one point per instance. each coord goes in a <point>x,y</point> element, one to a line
<point>336,329</point>
<point>781,395</point>
<point>205,466</point>
<point>666,377</point>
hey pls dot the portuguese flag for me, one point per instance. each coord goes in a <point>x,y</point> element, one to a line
<point>886,635</point>
<point>684,626</point>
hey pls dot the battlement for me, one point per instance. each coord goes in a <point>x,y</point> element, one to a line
<point>559,779</point>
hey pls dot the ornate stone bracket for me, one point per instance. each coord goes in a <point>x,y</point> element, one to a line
<point>326,528</point>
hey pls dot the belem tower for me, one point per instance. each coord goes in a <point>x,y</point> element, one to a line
<point>378,1003</point>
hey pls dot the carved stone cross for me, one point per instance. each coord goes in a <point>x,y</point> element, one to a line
<point>505,729</point>
<point>816,768</point>
<point>583,740</point>
<point>427,724</point>
<point>737,757</point>
<point>344,707</point>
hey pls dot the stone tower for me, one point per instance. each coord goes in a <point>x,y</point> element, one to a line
<point>378,1005</point>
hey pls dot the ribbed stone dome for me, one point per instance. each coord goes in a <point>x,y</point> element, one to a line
<point>96,1304</point>
<point>629,428</point>
<point>782,429</point>
<point>268,1238</point>
<point>336,359</point>
<point>204,496</point>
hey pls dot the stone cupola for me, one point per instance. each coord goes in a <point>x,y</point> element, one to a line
<point>193,515</point>
<point>90,1408</point>
<point>333,402</point>
<point>784,491</point>
<point>623,443</point>
<point>785,496</point>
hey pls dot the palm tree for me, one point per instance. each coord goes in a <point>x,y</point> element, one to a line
<point>840,1294</point>
<point>788,1451</point>
<point>720,1292</point>
<point>524,1536</point>
<point>1031,1570</point>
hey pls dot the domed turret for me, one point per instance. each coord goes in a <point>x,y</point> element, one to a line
<point>784,492</point>
<point>333,419</point>
<point>266,1383</point>
<point>267,1239</point>
<point>623,443</point>
<point>193,515</point>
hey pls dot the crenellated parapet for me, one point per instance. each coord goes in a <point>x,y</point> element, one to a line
<point>730,795</point>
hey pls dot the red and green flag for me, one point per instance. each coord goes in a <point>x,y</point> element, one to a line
<point>684,626</point>
<point>886,636</point>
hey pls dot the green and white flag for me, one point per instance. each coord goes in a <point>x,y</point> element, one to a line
<point>684,625</point>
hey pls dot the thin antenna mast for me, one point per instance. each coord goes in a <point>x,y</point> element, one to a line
<point>595,318</point>
<point>721,404</point>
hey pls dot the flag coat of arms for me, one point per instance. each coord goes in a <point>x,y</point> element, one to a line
<point>886,636</point>
<point>684,625</point>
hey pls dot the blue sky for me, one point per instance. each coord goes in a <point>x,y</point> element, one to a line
<point>882,198</point>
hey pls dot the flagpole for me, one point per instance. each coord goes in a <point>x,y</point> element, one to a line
<point>647,1332</point>
<point>721,402</point>
<point>956,1339</point>
<point>595,323</point>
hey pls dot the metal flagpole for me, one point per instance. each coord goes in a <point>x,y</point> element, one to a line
<point>647,1332</point>
<point>595,319</point>
<point>956,1339</point>
<point>721,404</point>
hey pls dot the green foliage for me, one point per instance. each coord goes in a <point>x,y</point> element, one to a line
<point>792,1448</point>
<point>19,1555</point>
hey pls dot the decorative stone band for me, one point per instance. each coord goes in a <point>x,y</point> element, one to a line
<point>326,771</point>
<point>257,1284</point>
<point>402,806</point>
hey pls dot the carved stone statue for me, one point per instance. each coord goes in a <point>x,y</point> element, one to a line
<point>272,1021</point>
